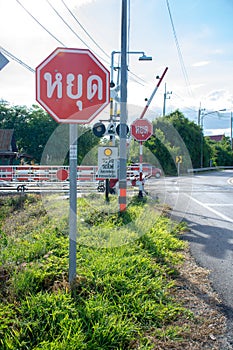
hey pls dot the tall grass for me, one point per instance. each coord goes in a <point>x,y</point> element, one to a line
<point>122,290</point>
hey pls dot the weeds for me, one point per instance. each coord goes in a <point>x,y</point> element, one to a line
<point>122,290</point>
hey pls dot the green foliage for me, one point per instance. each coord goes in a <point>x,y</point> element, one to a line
<point>49,321</point>
<point>220,152</point>
<point>121,294</point>
<point>161,152</point>
<point>33,127</point>
<point>174,135</point>
<point>169,141</point>
<point>86,146</point>
<point>177,135</point>
<point>190,133</point>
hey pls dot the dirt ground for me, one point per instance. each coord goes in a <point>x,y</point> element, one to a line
<point>207,329</point>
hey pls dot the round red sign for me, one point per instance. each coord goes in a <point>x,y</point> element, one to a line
<point>62,174</point>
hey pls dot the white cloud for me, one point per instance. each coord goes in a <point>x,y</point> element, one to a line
<point>201,64</point>
<point>196,86</point>
<point>216,95</point>
<point>219,99</point>
<point>217,52</point>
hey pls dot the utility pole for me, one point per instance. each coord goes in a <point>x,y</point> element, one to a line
<point>165,97</point>
<point>199,116</point>
<point>123,112</point>
<point>202,115</point>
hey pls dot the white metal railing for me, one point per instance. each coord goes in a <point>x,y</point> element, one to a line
<point>31,173</point>
<point>209,168</point>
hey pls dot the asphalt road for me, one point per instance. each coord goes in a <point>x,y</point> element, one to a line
<point>205,201</point>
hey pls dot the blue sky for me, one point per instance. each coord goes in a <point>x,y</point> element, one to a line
<point>203,29</point>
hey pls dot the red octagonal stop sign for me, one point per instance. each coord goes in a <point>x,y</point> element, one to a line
<point>141,129</point>
<point>72,85</point>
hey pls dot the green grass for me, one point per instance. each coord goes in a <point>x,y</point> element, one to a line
<point>126,264</point>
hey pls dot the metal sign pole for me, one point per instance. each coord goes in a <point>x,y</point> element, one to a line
<point>178,169</point>
<point>140,193</point>
<point>73,204</point>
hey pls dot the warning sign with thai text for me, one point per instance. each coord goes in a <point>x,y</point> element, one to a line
<point>107,162</point>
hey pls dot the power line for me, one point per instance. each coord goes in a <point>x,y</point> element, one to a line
<point>40,23</point>
<point>60,42</point>
<point>217,116</point>
<point>75,18</point>
<point>179,51</point>
<point>136,76</point>
<point>191,109</point>
<point>7,53</point>
<point>94,41</point>
<point>59,15</point>
<point>17,59</point>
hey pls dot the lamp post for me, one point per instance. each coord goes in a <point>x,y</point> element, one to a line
<point>123,112</point>
<point>143,57</point>
<point>123,101</point>
<point>201,116</point>
<point>200,110</point>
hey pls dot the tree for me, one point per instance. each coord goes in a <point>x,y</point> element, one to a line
<point>221,153</point>
<point>37,133</point>
<point>32,127</point>
<point>191,135</point>
<point>162,155</point>
<point>175,134</point>
<point>193,141</point>
<point>87,150</point>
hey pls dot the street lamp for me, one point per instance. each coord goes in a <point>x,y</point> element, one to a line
<point>201,116</point>
<point>143,57</point>
<point>123,99</point>
<point>205,114</point>
<point>123,69</point>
